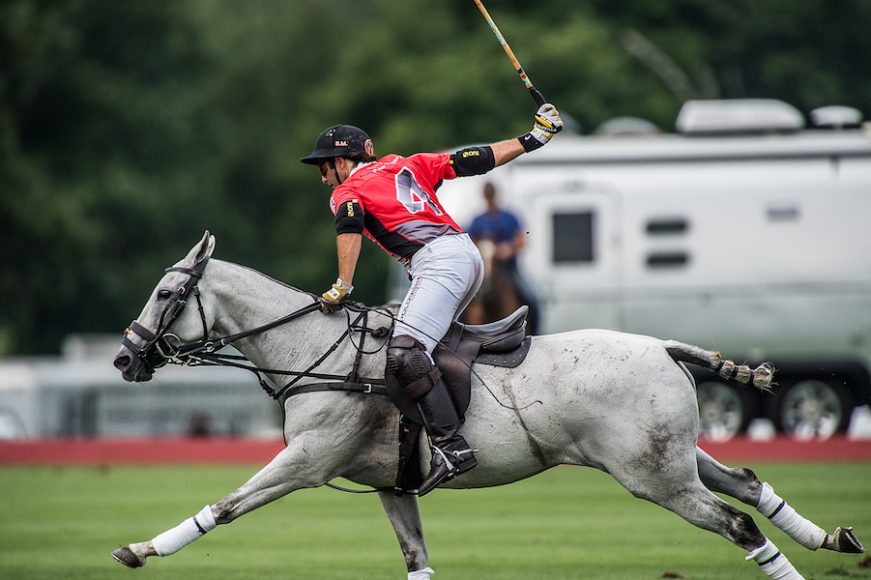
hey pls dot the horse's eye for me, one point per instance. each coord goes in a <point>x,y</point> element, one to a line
<point>164,294</point>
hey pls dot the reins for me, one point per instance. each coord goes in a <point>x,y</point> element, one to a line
<point>161,347</point>
<point>203,353</point>
<point>208,346</point>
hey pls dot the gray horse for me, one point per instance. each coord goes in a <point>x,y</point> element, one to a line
<point>617,402</point>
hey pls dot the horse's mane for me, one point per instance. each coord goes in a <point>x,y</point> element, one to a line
<point>268,277</point>
<point>392,307</point>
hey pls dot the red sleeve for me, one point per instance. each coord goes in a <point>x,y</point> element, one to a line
<point>342,194</point>
<point>436,166</point>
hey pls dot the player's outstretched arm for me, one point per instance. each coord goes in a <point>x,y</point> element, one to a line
<point>547,124</point>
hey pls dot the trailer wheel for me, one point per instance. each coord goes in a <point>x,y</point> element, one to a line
<point>814,409</point>
<point>724,411</point>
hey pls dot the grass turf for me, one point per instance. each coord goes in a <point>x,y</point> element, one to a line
<point>62,523</point>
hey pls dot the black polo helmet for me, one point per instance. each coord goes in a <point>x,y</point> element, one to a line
<point>341,141</point>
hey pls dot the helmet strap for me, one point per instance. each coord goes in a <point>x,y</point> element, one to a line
<point>333,165</point>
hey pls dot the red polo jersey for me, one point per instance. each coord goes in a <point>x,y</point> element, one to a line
<point>397,195</point>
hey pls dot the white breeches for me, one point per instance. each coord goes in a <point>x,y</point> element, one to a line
<point>445,275</point>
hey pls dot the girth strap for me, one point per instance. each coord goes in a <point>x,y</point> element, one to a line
<point>364,388</point>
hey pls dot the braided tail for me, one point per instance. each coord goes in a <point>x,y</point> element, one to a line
<point>761,377</point>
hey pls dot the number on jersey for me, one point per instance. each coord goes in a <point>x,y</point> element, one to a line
<point>412,195</point>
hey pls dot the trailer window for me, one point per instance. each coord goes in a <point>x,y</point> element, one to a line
<point>573,237</point>
<point>667,259</point>
<point>665,226</point>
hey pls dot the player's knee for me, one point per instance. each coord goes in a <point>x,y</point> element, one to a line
<point>407,353</point>
<point>411,365</point>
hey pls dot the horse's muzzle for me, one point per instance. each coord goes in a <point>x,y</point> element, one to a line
<point>131,367</point>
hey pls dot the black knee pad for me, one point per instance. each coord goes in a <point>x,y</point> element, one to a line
<point>408,361</point>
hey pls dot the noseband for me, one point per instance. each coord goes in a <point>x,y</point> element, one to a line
<point>160,345</point>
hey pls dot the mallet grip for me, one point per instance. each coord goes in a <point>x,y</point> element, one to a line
<point>537,96</point>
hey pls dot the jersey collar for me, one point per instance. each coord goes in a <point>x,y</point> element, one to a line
<point>360,166</point>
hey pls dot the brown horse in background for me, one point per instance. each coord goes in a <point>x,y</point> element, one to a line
<point>498,296</point>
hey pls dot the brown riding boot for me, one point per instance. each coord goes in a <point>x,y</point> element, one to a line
<point>451,455</point>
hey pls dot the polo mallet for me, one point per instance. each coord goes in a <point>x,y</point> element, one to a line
<point>536,94</point>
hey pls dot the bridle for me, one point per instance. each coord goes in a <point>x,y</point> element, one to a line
<point>161,347</point>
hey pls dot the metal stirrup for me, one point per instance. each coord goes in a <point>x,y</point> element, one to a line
<point>447,461</point>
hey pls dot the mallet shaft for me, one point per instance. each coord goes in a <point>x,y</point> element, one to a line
<point>536,94</point>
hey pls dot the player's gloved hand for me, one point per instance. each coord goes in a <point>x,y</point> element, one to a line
<point>547,123</point>
<point>331,300</point>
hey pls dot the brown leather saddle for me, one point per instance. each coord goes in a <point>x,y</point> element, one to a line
<point>501,343</point>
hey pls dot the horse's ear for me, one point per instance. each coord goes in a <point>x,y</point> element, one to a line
<point>203,249</point>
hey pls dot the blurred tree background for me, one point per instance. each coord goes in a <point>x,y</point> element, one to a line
<point>128,128</point>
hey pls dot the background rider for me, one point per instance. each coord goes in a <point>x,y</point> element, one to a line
<point>504,229</point>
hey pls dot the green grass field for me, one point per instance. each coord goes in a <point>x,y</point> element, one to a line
<point>62,524</point>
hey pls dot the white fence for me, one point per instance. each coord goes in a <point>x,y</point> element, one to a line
<point>81,394</point>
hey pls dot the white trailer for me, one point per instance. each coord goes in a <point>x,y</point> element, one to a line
<point>745,233</point>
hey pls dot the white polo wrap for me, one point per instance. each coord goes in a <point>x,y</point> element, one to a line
<point>782,515</point>
<point>773,563</point>
<point>173,540</point>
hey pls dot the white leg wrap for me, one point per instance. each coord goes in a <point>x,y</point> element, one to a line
<point>773,563</point>
<point>782,515</point>
<point>768,500</point>
<point>171,541</point>
<point>423,574</point>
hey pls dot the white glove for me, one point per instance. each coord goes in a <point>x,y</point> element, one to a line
<point>547,123</point>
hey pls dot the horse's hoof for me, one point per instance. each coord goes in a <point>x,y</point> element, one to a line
<point>127,557</point>
<point>846,541</point>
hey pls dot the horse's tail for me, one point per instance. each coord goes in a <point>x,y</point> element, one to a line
<point>760,377</point>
